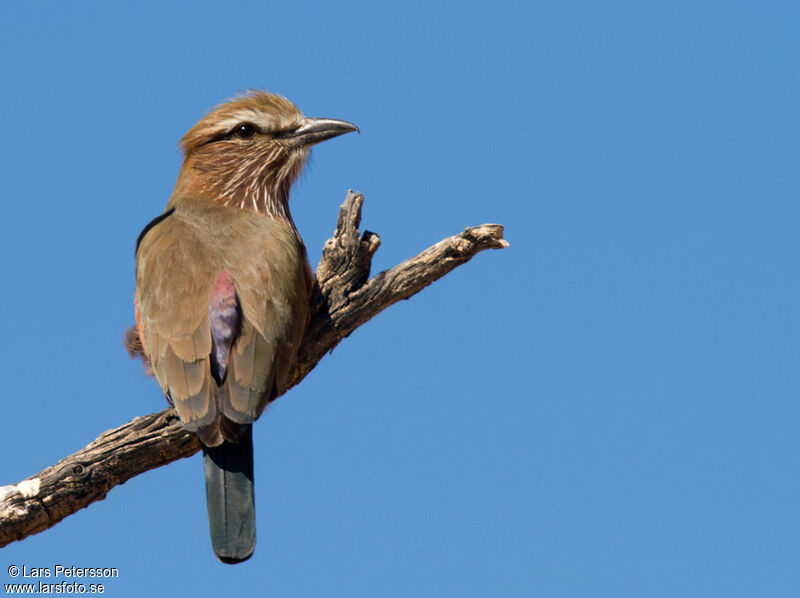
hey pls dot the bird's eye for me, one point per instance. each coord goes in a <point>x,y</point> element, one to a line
<point>244,131</point>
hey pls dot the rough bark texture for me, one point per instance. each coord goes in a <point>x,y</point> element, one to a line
<point>344,298</point>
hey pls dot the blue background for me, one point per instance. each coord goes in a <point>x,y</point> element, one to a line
<point>609,407</point>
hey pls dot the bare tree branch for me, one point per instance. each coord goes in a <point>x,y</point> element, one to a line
<point>343,298</point>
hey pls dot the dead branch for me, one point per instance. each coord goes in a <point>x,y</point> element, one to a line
<point>344,297</point>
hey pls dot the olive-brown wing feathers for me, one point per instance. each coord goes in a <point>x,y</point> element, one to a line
<point>174,277</point>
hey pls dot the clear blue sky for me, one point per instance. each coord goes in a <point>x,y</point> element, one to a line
<point>607,408</point>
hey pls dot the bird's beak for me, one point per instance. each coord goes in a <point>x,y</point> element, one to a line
<point>314,130</point>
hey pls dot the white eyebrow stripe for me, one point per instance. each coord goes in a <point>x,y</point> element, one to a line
<point>244,116</point>
<point>263,122</point>
<point>238,117</point>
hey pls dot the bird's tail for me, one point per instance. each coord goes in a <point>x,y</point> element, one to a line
<point>231,498</point>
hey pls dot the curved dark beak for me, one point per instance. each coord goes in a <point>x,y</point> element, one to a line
<point>314,130</point>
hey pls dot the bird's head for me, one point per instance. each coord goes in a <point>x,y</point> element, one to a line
<point>247,152</point>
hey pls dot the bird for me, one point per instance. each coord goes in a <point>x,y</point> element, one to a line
<point>222,290</point>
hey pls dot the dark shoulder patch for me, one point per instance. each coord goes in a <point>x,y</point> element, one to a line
<point>150,225</point>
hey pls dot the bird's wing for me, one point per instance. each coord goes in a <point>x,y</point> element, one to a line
<point>175,274</point>
<point>268,268</point>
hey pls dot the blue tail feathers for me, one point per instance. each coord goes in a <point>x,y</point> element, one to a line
<point>230,497</point>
